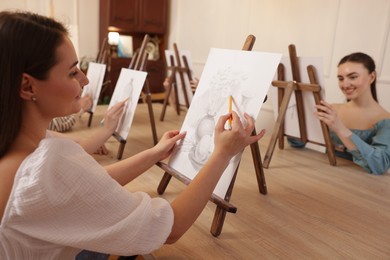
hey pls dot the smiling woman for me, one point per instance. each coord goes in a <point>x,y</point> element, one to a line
<point>360,128</point>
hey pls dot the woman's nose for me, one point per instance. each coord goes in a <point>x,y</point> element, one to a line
<point>83,80</point>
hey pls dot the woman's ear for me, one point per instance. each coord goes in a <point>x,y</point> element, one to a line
<point>372,76</point>
<point>26,89</point>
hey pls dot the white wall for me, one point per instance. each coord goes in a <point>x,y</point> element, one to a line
<point>80,17</point>
<point>318,28</point>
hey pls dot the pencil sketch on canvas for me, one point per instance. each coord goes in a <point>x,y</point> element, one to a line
<point>291,123</point>
<point>244,75</point>
<point>187,55</point>
<point>95,75</point>
<point>128,87</point>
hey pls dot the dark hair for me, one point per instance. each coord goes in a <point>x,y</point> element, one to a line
<point>367,62</point>
<point>28,43</point>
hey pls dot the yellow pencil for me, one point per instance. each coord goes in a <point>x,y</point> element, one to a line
<point>230,110</point>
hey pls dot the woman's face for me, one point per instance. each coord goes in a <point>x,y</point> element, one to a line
<point>354,80</point>
<point>59,94</point>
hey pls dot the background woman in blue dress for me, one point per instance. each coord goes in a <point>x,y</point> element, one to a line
<point>360,128</point>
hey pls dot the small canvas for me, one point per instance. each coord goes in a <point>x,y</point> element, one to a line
<point>246,75</point>
<point>291,123</point>
<point>187,54</point>
<point>95,75</point>
<point>128,86</point>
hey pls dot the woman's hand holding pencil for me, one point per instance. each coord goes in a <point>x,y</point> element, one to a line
<point>112,116</point>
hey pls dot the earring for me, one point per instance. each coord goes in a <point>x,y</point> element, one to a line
<point>34,98</point>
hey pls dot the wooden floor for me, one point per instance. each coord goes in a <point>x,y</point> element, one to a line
<point>312,210</point>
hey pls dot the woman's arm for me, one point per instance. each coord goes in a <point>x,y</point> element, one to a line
<point>374,157</point>
<point>127,170</point>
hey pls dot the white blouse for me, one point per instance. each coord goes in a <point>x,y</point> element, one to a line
<point>63,201</point>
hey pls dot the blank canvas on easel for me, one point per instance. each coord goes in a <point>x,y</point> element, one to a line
<point>95,75</point>
<point>291,123</point>
<point>244,75</point>
<point>187,54</point>
<point>129,86</point>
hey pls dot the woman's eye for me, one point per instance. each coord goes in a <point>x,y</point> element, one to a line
<point>73,73</point>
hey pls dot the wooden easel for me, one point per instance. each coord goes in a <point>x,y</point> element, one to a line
<point>285,90</point>
<point>103,57</point>
<point>176,67</point>
<point>138,62</point>
<point>223,205</point>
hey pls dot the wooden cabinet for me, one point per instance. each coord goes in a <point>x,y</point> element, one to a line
<point>153,16</point>
<point>136,18</point>
<point>123,15</point>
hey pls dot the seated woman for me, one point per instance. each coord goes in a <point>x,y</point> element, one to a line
<point>359,128</point>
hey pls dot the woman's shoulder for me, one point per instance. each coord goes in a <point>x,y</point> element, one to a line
<point>338,106</point>
<point>383,118</point>
<point>54,153</point>
<point>383,123</point>
<point>52,147</point>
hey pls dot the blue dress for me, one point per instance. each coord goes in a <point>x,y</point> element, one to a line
<point>372,147</point>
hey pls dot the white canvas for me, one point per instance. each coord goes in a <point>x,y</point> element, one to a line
<point>291,124</point>
<point>95,75</point>
<point>128,86</point>
<point>187,54</point>
<point>246,76</point>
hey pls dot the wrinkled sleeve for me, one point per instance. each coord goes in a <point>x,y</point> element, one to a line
<point>374,157</point>
<point>77,204</point>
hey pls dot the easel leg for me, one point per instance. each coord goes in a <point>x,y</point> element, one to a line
<point>258,168</point>
<point>168,94</point>
<point>165,103</point>
<point>278,123</point>
<point>218,220</point>
<point>90,118</point>
<point>177,99</point>
<point>120,150</point>
<point>281,130</point>
<point>164,183</point>
<point>151,114</point>
<point>325,130</point>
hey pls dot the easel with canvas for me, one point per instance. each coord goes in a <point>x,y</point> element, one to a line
<point>103,57</point>
<point>138,62</point>
<point>285,90</point>
<point>223,204</point>
<point>182,70</point>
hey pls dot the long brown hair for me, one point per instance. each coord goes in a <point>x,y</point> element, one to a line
<point>28,43</point>
<point>367,62</point>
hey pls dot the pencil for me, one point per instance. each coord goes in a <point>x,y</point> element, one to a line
<point>230,110</point>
